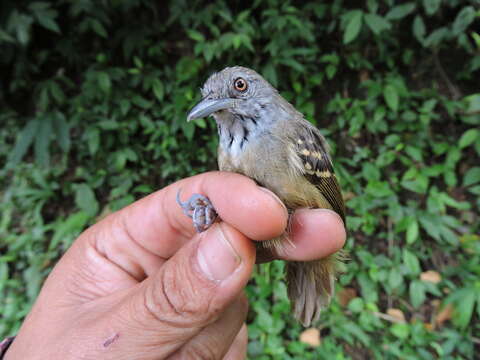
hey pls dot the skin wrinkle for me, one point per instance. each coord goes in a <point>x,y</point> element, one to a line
<point>231,322</point>
<point>84,275</point>
<point>143,274</point>
<point>93,255</point>
<point>181,308</point>
<point>110,250</point>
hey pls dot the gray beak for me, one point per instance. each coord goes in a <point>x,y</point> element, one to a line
<point>207,107</point>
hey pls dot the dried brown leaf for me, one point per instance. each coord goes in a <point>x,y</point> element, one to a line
<point>345,295</point>
<point>311,337</point>
<point>431,276</point>
<point>444,314</point>
<point>396,313</point>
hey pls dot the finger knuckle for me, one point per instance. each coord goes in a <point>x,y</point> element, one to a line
<point>203,351</point>
<point>176,297</point>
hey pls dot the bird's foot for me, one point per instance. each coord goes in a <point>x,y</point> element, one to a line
<point>200,209</point>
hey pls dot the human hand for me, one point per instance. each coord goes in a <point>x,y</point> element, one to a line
<point>141,284</point>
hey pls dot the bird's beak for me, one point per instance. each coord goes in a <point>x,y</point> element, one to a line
<point>207,107</point>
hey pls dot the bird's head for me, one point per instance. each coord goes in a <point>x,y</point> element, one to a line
<point>234,93</point>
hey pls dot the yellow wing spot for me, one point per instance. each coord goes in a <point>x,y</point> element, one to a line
<point>323,174</point>
<point>308,166</point>
<point>317,155</point>
<point>300,141</point>
<point>305,152</point>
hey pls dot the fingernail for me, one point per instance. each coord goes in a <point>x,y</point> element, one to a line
<point>274,196</point>
<point>320,211</point>
<point>216,256</point>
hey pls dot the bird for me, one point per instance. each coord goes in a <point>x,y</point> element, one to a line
<point>263,136</point>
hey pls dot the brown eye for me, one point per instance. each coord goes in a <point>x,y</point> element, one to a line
<point>240,84</point>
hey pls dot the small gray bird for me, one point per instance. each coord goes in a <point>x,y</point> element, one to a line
<point>265,138</point>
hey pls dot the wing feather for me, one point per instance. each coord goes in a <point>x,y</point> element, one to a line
<point>311,148</point>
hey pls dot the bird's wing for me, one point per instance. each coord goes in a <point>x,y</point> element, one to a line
<point>311,148</point>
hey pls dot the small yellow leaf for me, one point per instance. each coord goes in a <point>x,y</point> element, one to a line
<point>396,313</point>
<point>431,276</point>
<point>429,326</point>
<point>311,337</point>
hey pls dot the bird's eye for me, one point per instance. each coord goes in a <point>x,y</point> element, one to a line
<point>240,84</point>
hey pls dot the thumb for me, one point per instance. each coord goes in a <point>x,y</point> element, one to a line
<point>188,293</point>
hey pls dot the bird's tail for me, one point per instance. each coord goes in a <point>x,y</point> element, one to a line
<point>311,286</point>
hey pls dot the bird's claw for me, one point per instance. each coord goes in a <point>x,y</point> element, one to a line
<point>200,209</point>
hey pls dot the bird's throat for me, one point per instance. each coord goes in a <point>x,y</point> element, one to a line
<point>236,132</point>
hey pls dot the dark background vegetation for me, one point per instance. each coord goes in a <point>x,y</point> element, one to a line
<point>93,98</point>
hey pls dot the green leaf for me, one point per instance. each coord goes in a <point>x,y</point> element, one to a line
<point>468,138</point>
<point>472,176</point>
<point>372,6</point>
<point>353,26</point>
<point>93,140</point>
<point>472,109</point>
<point>400,11</point>
<point>104,81</point>
<point>356,305</point>
<point>419,29</point>
<point>401,331</point>
<point>188,129</point>
<point>412,231</point>
<point>330,70</point>
<point>464,308</point>
<point>33,279</point>
<point>379,188</point>
<point>270,74</point>
<point>62,131</point>
<point>431,6</point>
<point>195,35</point>
<point>21,25</point>
<point>68,228</point>
<point>98,28</point>
<point>377,23</point>
<point>47,20</point>
<point>85,199</point>
<point>463,20</point>
<point>42,141</point>
<point>265,320</point>
<point>37,6</point>
<point>391,97</point>
<point>56,92</point>
<point>4,36</point>
<point>436,37</point>
<point>395,279</point>
<point>141,102</point>
<point>24,140</point>
<point>431,226</point>
<point>411,262</point>
<point>158,89</point>
<point>358,332</point>
<point>417,293</point>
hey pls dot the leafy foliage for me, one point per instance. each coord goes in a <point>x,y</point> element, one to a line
<point>93,105</point>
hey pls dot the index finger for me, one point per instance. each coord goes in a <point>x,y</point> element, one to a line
<point>158,224</point>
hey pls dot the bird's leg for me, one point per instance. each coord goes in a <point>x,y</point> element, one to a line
<point>200,210</point>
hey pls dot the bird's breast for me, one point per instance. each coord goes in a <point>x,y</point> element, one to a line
<point>269,166</point>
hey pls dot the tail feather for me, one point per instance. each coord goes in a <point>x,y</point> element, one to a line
<point>310,287</point>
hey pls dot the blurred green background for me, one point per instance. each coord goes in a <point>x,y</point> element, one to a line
<point>93,101</point>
